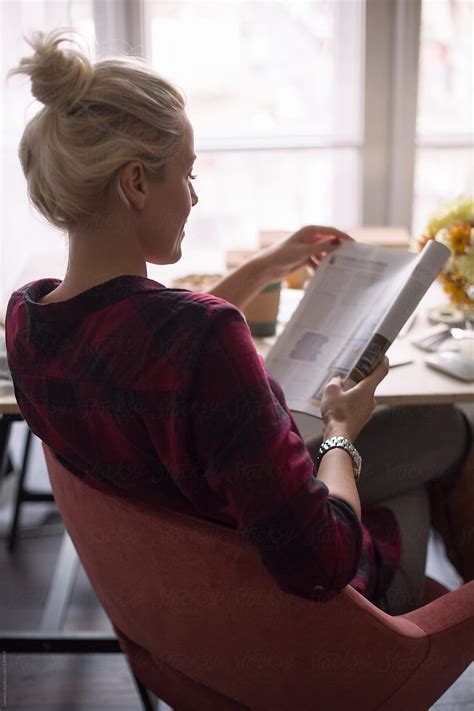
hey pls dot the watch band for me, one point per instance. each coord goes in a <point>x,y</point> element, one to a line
<point>342,443</point>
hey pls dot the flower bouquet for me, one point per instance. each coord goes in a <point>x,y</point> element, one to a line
<point>453,225</point>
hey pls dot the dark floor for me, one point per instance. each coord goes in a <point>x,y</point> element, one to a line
<point>94,682</point>
<point>57,682</point>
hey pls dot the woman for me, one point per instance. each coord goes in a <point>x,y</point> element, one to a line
<point>159,393</point>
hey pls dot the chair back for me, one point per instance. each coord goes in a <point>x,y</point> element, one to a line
<point>205,625</point>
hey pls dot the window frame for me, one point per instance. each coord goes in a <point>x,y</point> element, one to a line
<point>391,81</point>
<point>388,144</point>
<point>391,39</point>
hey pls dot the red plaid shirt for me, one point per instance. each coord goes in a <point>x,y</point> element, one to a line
<point>159,393</point>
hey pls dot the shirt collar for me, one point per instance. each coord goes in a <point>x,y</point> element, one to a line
<point>93,299</point>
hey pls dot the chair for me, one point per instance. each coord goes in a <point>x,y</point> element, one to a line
<point>205,627</point>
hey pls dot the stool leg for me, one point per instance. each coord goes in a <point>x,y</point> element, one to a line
<point>149,700</point>
<point>5,461</point>
<point>20,490</point>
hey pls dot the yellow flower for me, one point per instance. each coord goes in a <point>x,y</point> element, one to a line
<point>461,208</point>
<point>422,240</point>
<point>465,266</point>
<point>459,237</point>
<point>456,294</point>
<point>453,225</point>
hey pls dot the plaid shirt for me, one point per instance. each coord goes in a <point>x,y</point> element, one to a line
<point>159,394</point>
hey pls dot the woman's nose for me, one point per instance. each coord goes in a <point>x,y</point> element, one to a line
<point>194,197</point>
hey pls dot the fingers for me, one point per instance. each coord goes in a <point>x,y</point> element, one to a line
<point>335,383</point>
<point>381,370</point>
<point>313,262</point>
<point>333,389</point>
<point>318,244</point>
<point>315,231</point>
<point>376,376</point>
<point>346,412</point>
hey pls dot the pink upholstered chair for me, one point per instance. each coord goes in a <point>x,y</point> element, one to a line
<point>206,628</point>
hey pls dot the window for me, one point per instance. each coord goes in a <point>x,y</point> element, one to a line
<point>303,112</point>
<point>274,92</point>
<point>24,233</point>
<point>445,120</point>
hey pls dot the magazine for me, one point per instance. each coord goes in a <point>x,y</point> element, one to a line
<point>353,309</point>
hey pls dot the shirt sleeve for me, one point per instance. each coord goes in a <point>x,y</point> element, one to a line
<point>249,450</point>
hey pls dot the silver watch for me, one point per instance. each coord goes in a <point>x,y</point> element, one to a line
<point>343,443</point>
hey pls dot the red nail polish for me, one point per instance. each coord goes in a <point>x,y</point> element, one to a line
<point>336,240</point>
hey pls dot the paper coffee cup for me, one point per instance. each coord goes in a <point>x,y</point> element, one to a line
<point>262,312</point>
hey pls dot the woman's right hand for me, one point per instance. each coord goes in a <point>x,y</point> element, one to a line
<point>346,413</point>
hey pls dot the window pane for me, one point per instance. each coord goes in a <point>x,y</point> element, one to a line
<point>23,232</point>
<point>262,68</point>
<point>243,192</point>
<point>445,107</point>
<point>446,80</point>
<point>256,73</point>
<point>441,174</point>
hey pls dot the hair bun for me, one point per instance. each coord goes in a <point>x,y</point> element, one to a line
<point>59,77</point>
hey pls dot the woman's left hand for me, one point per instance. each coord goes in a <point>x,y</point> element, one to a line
<point>306,246</point>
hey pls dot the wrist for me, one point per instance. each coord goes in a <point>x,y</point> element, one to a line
<point>334,428</point>
<point>243,284</point>
<point>263,269</point>
<point>340,442</point>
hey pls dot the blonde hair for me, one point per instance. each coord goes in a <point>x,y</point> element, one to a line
<point>96,118</point>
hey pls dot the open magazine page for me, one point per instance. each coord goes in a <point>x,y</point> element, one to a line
<point>335,321</point>
<point>415,281</point>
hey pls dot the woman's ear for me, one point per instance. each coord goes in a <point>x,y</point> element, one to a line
<point>133,185</point>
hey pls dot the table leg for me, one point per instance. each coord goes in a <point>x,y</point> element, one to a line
<point>5,461</point>
<point>23,494</point>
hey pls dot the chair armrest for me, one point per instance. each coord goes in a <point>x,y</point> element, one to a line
<point>446,613</point>
<point>448,623</point>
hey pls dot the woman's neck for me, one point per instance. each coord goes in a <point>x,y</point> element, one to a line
<point>96,257</point>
